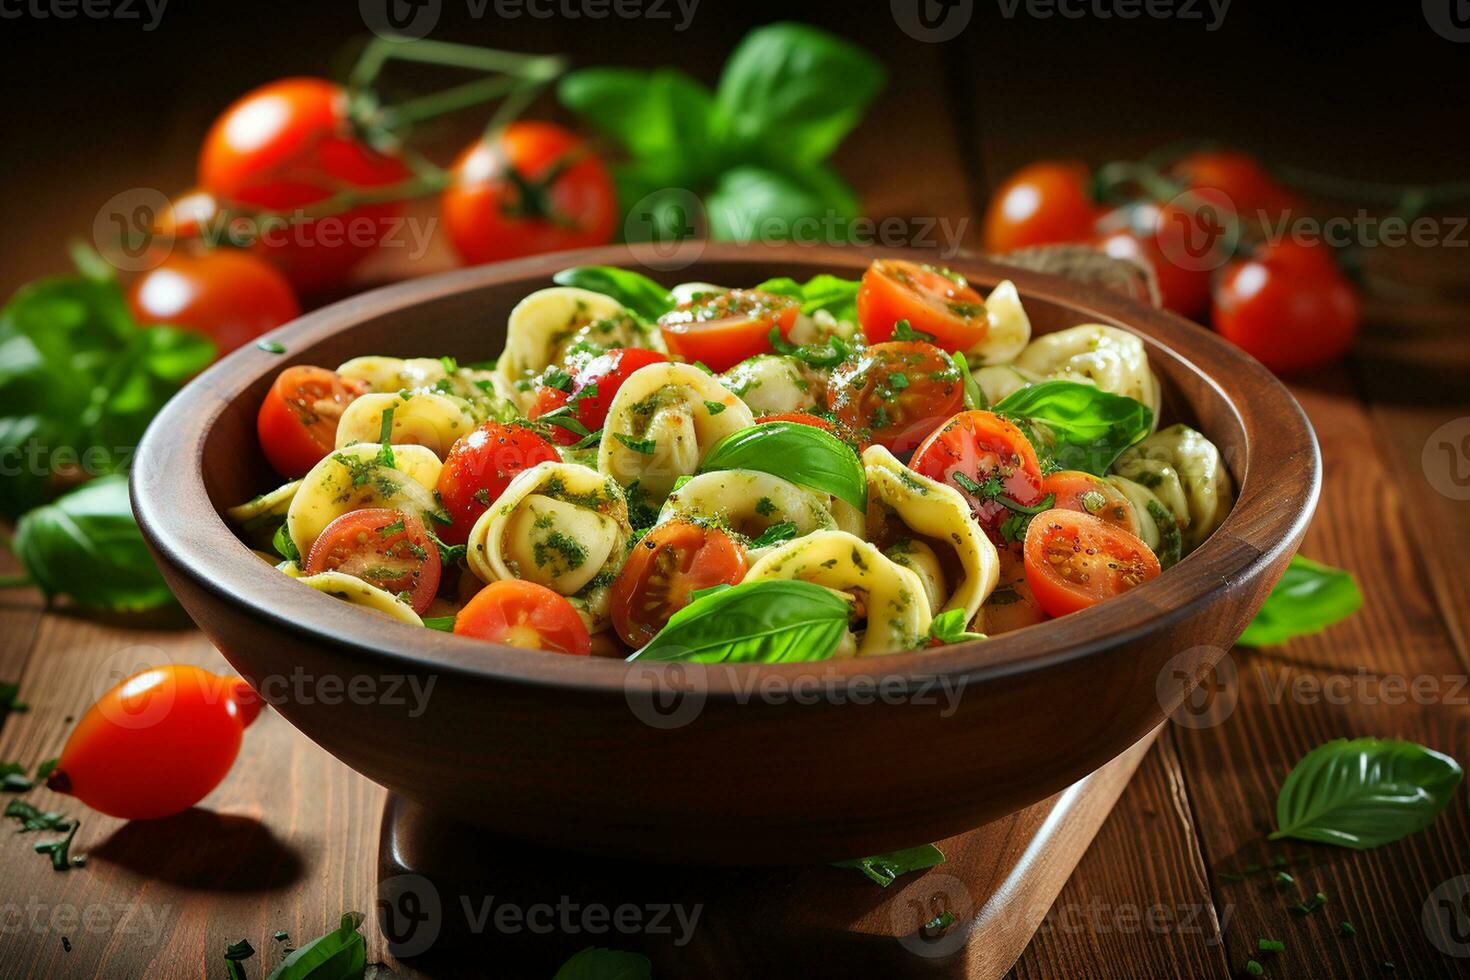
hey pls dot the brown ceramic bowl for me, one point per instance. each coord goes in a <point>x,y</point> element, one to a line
<point>746,764</point>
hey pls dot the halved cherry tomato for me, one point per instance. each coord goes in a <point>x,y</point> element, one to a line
<point>227,295</point>
<point>157,743</point>
<point>1289,307</point>
<point>593,387</point>
<point>478,468</point>
<point>989,461</point>
<point>297,424</point>
<point>535,187</point>
<point>286,146</point>
<point>941,304</point>
<point>526,615</point>
<point>897,392</point>
<point>673,560</point>
<point>1074,560</point>
<point>1076,490</point>
<point>1042,203</point>
<point>383,547</point>
<point>724,329</point>
<point>1011,605</point>
<point>1255,194</point>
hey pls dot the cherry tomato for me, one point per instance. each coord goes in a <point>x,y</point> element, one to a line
<point>157,743</point>
<point>286,146</point>
<point>526,615</point>
<point>1045,202</point>
<point>1011,605</point>
<point>897,393</point>
<point>593,387</point>
<point>940,304</point>
<point>723,330</point>
<point>673,560</point>
<point>479,467</point>
<point>1255,194</point>
<point>535,187</point>
<point>1075,490</point>
<point>1182,247</point>
<point>227,295</point>
<point>383,547</point>
<point>989,461</point>
<point>1074,560</point>
<point>297,424</point>
<point>190,215</point>
<point>1289,307</point>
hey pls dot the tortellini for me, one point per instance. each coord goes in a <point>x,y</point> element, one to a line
<point>1148,511</point>
<point>1184,470</point>
<point>560,525</point>
<point>394,373</point>
<point>748,502</point>
<point>259,517</point>
<point>770,384</point>
<point>892,599</point>
<point>350,588</point>
<point>1010,327</point>
<point>662,421</point>
<point>485,395</point>
<point>937,515</point>
<point>355,477</point>
<point>1112,359</point>
<point>426,419</point>
<point>999,380</point>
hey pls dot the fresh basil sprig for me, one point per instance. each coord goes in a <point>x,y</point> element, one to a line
<point>949,627</point>
<point>771,621</point>
<point>339,955</point>
<point>885,868</point>
<point>1364,792</point>
<point>634,290</point>
<point>596,963</point>
<point>836,295</point>
<point>803,454</point>
<point>86,545</point>
<point>1089,427</point>
<point>1309,598</point>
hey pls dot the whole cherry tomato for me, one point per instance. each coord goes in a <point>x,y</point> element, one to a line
<point>286,146</point>
<point>157,743</point>
<point>1289,306</point>
<point>297,423</point>
<point>1181,246</point>
<point>535,187</point>
<point>896,393</point>
<point>1256,195</point>
<point>479,467</point>
<point>1040,204</point>
<point>227,295</point>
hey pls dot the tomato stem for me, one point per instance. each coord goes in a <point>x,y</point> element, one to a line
<point>1408,200</point>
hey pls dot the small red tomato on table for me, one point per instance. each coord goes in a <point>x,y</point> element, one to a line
<point>1044,203</point>
<point>228,295</point>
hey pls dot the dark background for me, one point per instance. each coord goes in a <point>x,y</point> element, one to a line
<point>93,107</point>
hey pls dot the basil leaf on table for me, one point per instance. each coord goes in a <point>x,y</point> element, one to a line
<point>595,963</point>
<point>771,621</point>
<point>86,545</point>
<point>802,454</point>
<point>634,290</point>
<point>1091,427</point>
<point>1309,598</point>
<point>885,868</point>
<point>339,955</point>
<point>1364,792</point>
<point>836,295</point>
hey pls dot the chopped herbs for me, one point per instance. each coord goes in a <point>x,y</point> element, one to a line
<point>32,819</point>
<point>444,624</point>
<point>1254,969</point>
<point>903,330</point>
<point>939,923</point>
<point>714,408</point>
<point>1346,928</point>
<point>1310,905</point>
<point>645,446</point>
<point>15,782</point>
<point>271,346</point>
<point>58,849</point>
<point>556,544</point>
<point>765,507</point>
<point>775,534</point>
<point>1171,538</point>
<point>1270,946</point>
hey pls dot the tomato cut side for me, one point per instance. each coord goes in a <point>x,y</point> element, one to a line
<point>383,547</point>
<point>896,393</point>
<point>479,467</point>
<point>725,329</point>
<point>989,461</point>
<point>1075,490</point>
<point>525,615</point>
<point>937,303</point>
<point>297,423</point>
<point>1074,560</point>
<point>672,560</point>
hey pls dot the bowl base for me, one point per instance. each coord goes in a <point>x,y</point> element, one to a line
<point>451,894</point>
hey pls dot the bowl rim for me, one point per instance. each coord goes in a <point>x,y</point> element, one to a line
<point>181,524</point>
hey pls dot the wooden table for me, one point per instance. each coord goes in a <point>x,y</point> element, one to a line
<point>288,841</point>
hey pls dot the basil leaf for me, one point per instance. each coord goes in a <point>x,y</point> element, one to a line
<point>751,203</point>
<point>285,545</point>
<point>822,292</point>
<point>635,291</point>
<point>884,868</point>
<point>661,115</point>
<point>339,955</point>
<point>790,91</point>
<point>1364,792</point>
<point>771,621</point>
<point>803,454</point>
<point>444,624</point>
<point>775,534</point>
<point>1091,426</point>
<point>949,627</point>
<point>86,545</point>
<point>594,963</point>
<point>1309,598</point>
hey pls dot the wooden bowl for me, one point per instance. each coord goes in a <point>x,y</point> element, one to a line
<point>743,764</point>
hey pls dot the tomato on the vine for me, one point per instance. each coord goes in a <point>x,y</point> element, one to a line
<point>534,187</point>
<point>227,295</point>
<point>1041,204</point>
<point>896,393</point>
<point>592,389</point>
<point>989,461</point>
<point>479,467</point>
<point>723,329</point>
<point>384,547</point>
<point>671,561</point>
<point>526,615</point>
<point>289,145</point>
<point>1183,246</point>
<point>157,743</point>
<point>1075,560</point>
<point>1255,194</point>
<point>936,302</point>
<point>1289,306</point>
<point>297,423</point>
